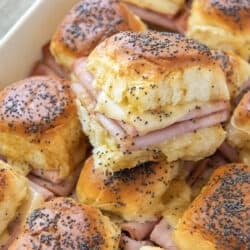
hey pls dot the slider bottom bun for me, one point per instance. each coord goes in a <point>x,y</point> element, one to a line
<point>218,217</point>
<point>109,157</point>
<point>133,194</point>
<point>62,223</point>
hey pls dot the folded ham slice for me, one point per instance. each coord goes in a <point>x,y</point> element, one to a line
<point>137,230</point>
<point>127,243</point>
<point>178,129</point>
<point>42,69</point>
<point>229,152</point>
<point>161,235</point>
<point>170,22</point>
<point>63,188</point>
<point>46,194</point>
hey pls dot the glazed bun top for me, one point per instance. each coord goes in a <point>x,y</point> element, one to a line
<point>233,15</point>
<point>64,224</point>
<point>167,51</point>
<point>133,194</point>
<point>219,215</point>
<point>87,24</point>
<point>35,105</point>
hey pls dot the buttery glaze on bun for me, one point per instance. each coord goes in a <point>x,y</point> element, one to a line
<point>63,224</point>
<point>218,217</point>
<point>39,127</point>
<point>13,192</point>
<point>149,81</point>
<point>87,24</point>
<point>237,70</point>
<point>221,24</point>
<point>133,194</point>
<point>239,129</point>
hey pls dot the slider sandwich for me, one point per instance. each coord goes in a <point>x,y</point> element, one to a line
<point>169,14</point>
<point>221,24</point>
<point>18,197</point>
<point>219,217</point>
<point>62,223</point>
<point>148,199</point>
<point>150,96</point>
<point>87,24</point>
<point>40,132</point>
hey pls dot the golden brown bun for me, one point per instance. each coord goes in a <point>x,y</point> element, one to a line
<point>134,194</point>
<point>239,129</point>
<point>218,217</point>
<point>170,7</point>
<point>222,24</point>
<point>87,24</point>
<point>39,127</point>
<point>236,70</point>
<point>64,224</point>
<point>153,70</point>
<point>13,192</point>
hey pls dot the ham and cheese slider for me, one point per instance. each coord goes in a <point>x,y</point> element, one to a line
<point>62,223</point>
<point>40,131</point>
<point>239,129</point>
<point>87,24</point>
<point>149,199</point>
<point>18,197</point>
<point>218,217</point>
<point>150,95</point>
<point>169,14</point>
<point>221,24</point>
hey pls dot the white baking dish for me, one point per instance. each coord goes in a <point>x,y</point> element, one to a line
<point>21,47</point>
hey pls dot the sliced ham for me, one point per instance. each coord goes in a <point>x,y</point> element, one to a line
<point>169,22</point>
<point>62,189</point>
<point>209,108</point>
<point>137,230</point>
<point>50,175</point>
<point>229,152</point>
<point>217,160</point>
<point>162,235</point>
<point>46,194</point>
<point>50,61</point>
<point>178,129</point>
<point>83,75</point>
<point>41,69</point>
<point>126,243</point>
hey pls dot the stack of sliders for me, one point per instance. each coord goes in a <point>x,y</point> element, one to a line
<point>168,14</point>
<point>221,24</point>
<point>41,134</point>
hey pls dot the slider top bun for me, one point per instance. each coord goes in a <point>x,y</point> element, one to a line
<point>13,191</point>
<point>221,24</point>
<point>151,70</point>
<point>39,126</point>
<point>133,194</point>
<point>236,70</point>
<point>87,24</point>
<point>169,7</point>
<point>218,217</point>
<point>63,224</point>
